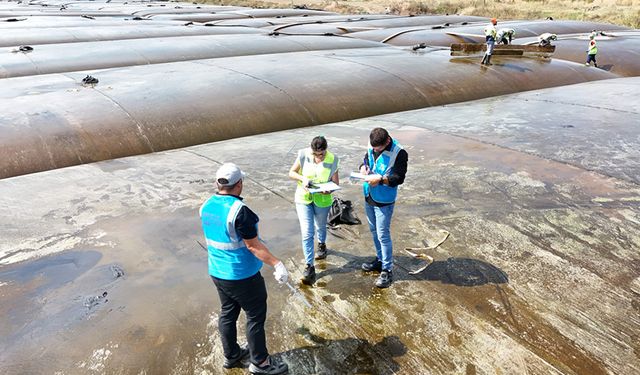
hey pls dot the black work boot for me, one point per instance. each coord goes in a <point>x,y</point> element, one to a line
<point>272,368</point>
<point>321,253</point>
<point>488,60</point>
<point>385,279</point>
<point>309,275</point>
<point>236,361</point>
<point>484,58</point>
<point>376,265</point>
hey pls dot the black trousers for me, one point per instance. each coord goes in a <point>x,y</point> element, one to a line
<point>250,295</point>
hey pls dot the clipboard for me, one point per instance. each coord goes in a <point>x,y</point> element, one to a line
<point>327,186</point>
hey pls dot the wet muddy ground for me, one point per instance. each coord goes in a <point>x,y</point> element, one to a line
<point>101,270</point>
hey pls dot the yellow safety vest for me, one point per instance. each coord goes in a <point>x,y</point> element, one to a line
<point>490,31</point>
<point>316,173</point>
<point>593,49</point>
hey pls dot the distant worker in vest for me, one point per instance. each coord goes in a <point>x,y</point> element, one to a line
<point>236,255</point>
<point>546,38</point>
<point>385,167</point>
<point>505,36</point>
<point>490,36</point>
<point>592,50</point>
<point>594,33</point>
<point>314,165</point>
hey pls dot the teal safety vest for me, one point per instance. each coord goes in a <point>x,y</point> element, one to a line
<point>383,165</point>
<point>229,258</point>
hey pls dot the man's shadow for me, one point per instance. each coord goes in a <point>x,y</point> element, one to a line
<point>463,272</point>
<point>346,356</point>
<point>606,67</point>
<point>456,271</point>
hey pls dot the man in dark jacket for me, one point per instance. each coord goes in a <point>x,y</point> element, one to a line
<point>385,166</point>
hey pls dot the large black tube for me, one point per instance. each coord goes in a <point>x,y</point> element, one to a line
<point>32,22</point>
<point>360,25</point>
<point>618,52</point>
<point>266,22</point>
<point>200,17</point>
<point>58,13</point>
<point>105,10</point>
<point>68,57</point>
<point>447,36</point>
<point>256,13</point>
<point>14,37</point>
<point>51,121</point>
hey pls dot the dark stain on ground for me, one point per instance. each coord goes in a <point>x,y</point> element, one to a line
<point>471,369</point>
<point>36,287</point>
<point>51,271</point>
<point>328,298</point>
<point>515,67</point>
<point>136,333</point>
<point>524,325</point>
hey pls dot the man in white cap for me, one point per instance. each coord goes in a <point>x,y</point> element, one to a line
<point>236,255</point>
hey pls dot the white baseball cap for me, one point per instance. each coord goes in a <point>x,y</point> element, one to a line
<point>229,174</point>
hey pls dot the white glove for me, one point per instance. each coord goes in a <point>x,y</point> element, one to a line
<point>281,273</point>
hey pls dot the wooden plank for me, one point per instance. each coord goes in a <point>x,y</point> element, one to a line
<point>465,49</point>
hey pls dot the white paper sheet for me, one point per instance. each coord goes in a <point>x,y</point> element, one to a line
<point>327,186</point>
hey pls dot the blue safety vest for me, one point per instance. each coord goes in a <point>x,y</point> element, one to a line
<point>383,165</point>
<point>229,258</point>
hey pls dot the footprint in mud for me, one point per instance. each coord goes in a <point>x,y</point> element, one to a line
<point>93,301</point>
<point>105,276</point>
<point>117,271</point>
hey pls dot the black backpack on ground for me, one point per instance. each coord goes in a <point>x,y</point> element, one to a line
<point>341,212</point>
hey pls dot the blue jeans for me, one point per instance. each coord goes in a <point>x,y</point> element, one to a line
<point>379,219</point>
<point>309,216</point>
<point>490,44</point>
